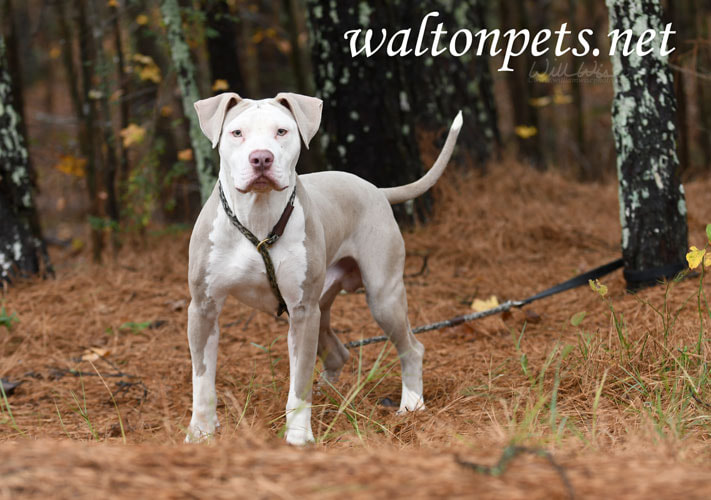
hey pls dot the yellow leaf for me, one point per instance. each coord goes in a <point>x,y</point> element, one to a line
<point>185,155</point>
<point>539,102</point>
<point>71,165</point>
<point>484,305</point>
<point>560,98</point>
<point>143,59</point>
<point>258,37</point>
<point>55,52</point>
<point>142,20</point>
<point>542,77</point>
<point>220,84</point>
<point>77,245</point>
<point>694,257</point>
<point>598,287</point>
<point>526,132</point>
<point>133,134</point>
<point>166,111</point>
<point>113,3</point>
<point>150,73</point>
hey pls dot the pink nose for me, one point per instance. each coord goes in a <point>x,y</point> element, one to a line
<point>261,159</point>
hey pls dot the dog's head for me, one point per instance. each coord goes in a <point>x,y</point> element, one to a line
<point>259,140</point>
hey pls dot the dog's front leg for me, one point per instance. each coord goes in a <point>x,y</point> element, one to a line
<point>203,337</point>
<point>303,344</point>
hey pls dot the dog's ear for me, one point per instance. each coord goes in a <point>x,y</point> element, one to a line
<point>211,113</point>
<point>306,111</point>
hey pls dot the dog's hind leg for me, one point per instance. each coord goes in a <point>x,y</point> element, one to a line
<point>203,336</point>
<point>342,275</point>
<point>387,300</point>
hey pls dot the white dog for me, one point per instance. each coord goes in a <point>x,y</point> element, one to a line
<point>320,233</point>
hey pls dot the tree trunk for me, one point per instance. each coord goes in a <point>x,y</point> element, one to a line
<point>222,39</point>
<point>521,89</point>
<point>441,86</point>
<point>88,117</point>
<point>368,123</point>
<point>703,67</point>
<point>185,69</point>
<point>652,204</point>
<point>108,136</point>
<point>22,251</point>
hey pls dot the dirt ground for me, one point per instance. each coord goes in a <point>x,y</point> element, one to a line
<point>599,412</point>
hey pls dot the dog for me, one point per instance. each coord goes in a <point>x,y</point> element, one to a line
<point>339,234</point>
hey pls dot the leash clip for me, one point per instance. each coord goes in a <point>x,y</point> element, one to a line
<point>268,241</point>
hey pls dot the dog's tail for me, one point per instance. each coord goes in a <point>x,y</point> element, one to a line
<point>410,191</point>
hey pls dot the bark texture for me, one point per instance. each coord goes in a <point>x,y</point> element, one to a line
<point>22,251</point>
<point>368,125</point>
<point>442,86</point>
<point>185,69</point>
<point>652,203</point>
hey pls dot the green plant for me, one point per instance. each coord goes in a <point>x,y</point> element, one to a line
<point>7,320</point>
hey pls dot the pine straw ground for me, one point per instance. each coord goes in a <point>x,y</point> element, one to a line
<point>622,422</point>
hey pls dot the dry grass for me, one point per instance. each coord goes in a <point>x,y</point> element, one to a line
<point>621,421</point>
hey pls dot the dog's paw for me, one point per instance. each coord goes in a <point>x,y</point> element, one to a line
<point>411,401</point>
<point>299,437</point>
<point>198,433</point>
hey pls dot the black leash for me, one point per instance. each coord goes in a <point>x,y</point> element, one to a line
<point>506,306</point>
<point>264,245</point>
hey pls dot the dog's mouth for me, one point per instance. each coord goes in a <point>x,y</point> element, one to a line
<point>262,184</point>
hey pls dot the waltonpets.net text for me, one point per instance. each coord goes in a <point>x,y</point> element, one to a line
<point>512,43</point>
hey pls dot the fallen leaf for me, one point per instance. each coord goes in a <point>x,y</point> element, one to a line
<point>484,305</point>
<point>141,19</point>
<point>94,354</point>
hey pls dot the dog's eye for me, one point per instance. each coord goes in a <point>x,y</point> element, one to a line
<point>282,132</point>
<point>237,133</point>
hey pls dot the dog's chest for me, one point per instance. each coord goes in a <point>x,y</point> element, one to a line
<point>236,268</point>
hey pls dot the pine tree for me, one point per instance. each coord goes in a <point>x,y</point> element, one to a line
<point>652,202</point>
<point>22,251</point>
<point>368,127</point>
<point>185,68</point>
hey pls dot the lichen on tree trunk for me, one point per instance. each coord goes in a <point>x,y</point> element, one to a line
<point>21,248</point>
<point>185,69</point>
<point>652,202</point>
